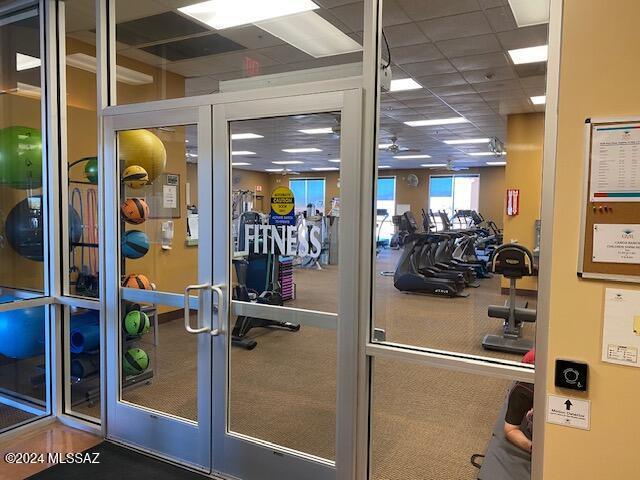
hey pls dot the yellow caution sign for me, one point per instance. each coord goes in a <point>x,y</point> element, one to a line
<point>282,201</point>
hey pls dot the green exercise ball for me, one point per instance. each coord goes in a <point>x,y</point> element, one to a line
<point>91,169</point>
<point>20,157</point>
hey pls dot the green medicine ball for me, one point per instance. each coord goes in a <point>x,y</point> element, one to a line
<point>135,361</point>
<point>20,157</point>
<point>91,169</point>
<point>136,323</point>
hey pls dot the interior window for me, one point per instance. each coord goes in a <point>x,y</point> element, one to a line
<point>308,193</point>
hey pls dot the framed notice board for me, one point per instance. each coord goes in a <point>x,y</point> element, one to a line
<point>610,226</point>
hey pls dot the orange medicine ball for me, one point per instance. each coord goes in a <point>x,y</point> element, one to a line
<point>137,280</point>
<point>134,210</point>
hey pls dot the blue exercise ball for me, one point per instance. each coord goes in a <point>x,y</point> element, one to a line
<point>22,332</point>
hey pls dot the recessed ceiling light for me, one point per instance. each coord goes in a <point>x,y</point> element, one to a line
<point>325,169</point>
<point>466,141</point>
<point>310,33</point>
<point>221,14</point>
<point>402,84</point>
<point>273,169</point>
<point>288,162</point>
<point>335,160</point>
<point>436,121</point>
<point>245,136</point>
<point>243,152</point>
<point>486,154</point>
<point>530,12</point>
<point>239,164</point>
<point>408,157</point>
<point>384,166</point>
<point>529,54</point>
<point>301,150</point>
<point>317,131</point>
<point>384,146</point>
<point>433,165</point>
<point>496,164</point>
<point>539,99</point>
<point>26,62</point>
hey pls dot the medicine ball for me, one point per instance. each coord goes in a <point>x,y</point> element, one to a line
<point>136,323</point>
<point>20,157</point>
<point>135,177</point>
<point>91,169</point>
<point>22,332</point>
<point>135,361</point>
<point>135,244</point>
<point>23,228</point>
<point>144,149</point>
<point>137,280</point>
<point>134,210</point>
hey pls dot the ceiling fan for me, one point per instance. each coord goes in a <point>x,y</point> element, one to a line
<point>452,168</point>
<point>285,171</point>
<point>395,148</point>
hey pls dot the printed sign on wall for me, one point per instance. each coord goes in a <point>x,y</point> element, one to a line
<point>513,201</point>
<point>282,207</point>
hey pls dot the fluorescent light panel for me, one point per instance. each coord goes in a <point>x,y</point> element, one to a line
<point>384,146</point>
<point>316,131</point>
<point>486,154</point>
<point>243,152</point>
<point>26,62</point>
<point>221,14</point>
<point>335,160</point>
<point>529,54</point>
<point>288,162</point>
<point>530,12</point>
<point>436,121</point>
<point>409,157</point>
<point>402,84</point>
<point>325,169</point>
<point>496,164</point>
<point>123,74</point>
<point>239,164</point>
<point>245,136</point>
<point>310,33</point>
<point>539,99</point>
<point>433,165</point>
<point>301,150</point>
<point>467,141</point>
<point>384,166</point>
<point>273,169</point>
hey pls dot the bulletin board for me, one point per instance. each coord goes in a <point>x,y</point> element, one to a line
<point>164,196</point>
<point>610,223</point>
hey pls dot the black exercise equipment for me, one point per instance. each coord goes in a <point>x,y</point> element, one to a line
<point>513,261</point>
<point>405,225</point>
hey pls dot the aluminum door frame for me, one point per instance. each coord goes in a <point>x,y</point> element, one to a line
<point>231,451</point>
<point>177,439</point>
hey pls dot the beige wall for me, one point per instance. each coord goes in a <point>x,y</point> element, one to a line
<point>598,78</point>
<point>525,136</point>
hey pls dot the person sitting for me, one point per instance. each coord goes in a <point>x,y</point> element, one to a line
<point>518,420</point>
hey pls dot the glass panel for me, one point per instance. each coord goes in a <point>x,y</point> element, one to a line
<point>285,242</point>
<point>170,50</point>
<point>457,128</point>
<point>23,366</point>
<point>158,359</point>
<point>430,423</point>
<point>82,149</point>
<point>82,350</point>
<point>21,166</point>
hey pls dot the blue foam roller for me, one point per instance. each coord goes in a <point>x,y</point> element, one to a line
<point>84,338</point>
<point>84,365</point>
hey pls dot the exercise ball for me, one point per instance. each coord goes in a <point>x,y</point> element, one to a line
<point>142,148</point>
<point>20,157</point>
<point>135,177</point>
<point>91,169</point>
<point>135,244</point>
<point>134,210</point>
<point>22,332</point>
<point>136,323</point>
<point>23,228</point>
<point>135,361</point>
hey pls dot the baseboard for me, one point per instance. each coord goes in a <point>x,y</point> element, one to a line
<point>170,316</point>
<point>523,292</point>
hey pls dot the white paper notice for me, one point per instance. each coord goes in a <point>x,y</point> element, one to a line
<point>568,411</point>
<point>169,196</point>
<point>621,330</point>
<point>616,243</point>
<point>615,163</point>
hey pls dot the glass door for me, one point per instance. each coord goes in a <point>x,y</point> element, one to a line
<point>159,290</point>
<point>285,182</point>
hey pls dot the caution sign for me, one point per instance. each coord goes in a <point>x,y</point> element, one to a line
<point>282,207</point>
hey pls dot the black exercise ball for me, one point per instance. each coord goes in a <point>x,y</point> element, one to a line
<point>23,228</point>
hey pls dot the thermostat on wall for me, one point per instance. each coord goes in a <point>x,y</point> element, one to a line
<point>571,375</point>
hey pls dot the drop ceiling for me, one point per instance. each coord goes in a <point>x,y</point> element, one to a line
<point>455,49</point>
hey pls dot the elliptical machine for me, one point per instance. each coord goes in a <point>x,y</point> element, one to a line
<point>513,261</point>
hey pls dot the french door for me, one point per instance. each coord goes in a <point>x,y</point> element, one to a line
<point>212,308</point>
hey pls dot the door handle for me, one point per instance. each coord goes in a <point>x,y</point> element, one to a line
<point>187,324</point>
<point>219,307</point>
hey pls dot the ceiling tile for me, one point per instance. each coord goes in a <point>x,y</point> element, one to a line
<point>405,34</point>
<point>512,84</point>
<point>393,14</point>
<point>501,19</point>
<point>466,98</point>
<point>425,9</point>
<point>524,37</point>
<point>502,94</point>
<point>252,37</point>
<point>477,62</point>
<point>434,67</point>
<point>492,3</point>
<point>156,28</point>
<point>539,81</point>
<point>285,54</point>
<point>415,53</point>
<point>352,15</point>
<point>531,69</point>
<point>335,3</point>
<point>455,26</point>
<point>453,90</point>
<point>441,80</point>
<point>461,47</point>
<point>426,101</point>
<point>489,74</point>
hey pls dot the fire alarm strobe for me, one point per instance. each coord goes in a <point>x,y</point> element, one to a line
<point>571,375</point>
